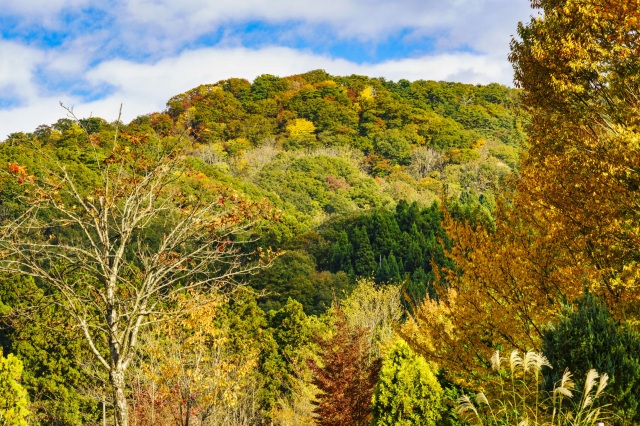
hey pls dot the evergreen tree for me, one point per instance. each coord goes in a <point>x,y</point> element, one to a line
<point>346,378</point>
<point>386,233</point>
<point>407,392</point>
<point>394,269</point>
<point>590,338</point>
<point>382,273</point>
<point>418,285</point>
<point>341,253</point>
<point>364,257</point>
<point>51,353</point>
<point>292,334</point>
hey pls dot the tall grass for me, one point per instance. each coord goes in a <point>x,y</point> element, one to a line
<point>520,400</point>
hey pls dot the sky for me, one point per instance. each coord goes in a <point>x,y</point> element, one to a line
<point>94,55</point>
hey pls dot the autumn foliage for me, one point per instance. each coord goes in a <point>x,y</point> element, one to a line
<point>346,378</point>
<point>569,221</point>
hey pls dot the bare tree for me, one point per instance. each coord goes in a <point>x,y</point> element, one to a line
<point>423,161</point>
<point>118,252</point>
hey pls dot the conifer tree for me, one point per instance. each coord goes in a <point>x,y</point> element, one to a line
<point>346,377</point>
<point>407,392</point>
<point>364,258</point>
<point>590,337</point>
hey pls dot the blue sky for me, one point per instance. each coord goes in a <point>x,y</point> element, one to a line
<point>94,55</point>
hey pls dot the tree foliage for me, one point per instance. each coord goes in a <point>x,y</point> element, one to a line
<point>192,370</point>
<point>116,253</point>
<point>569,220</point>
<point>13,397</point>
<point>58,370</point>
<point>407,392</point>
<point>590,338</point>
<point>346,376</point>
<point>93,211</point>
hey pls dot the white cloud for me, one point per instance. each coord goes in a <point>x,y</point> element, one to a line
<point>473,23</point>
<point>16,69</point>
<point>155,26</point>
<point>39,7</point>
<point>144,88</point>
<point>352,17</point>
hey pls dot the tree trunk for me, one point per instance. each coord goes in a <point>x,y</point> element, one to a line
<point>119,399</point>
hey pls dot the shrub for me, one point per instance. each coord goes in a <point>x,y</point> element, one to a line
<point>13,397</point>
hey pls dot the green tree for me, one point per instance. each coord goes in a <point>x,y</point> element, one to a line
<point>52,354</point>
<point>590,337</point>
<point>13,397</point>
<point>119,251</point>
<point>407,392</point>
<point>393,145</point>
<point>364,260</point>
<point>292,332</point>
<point>341,253</point>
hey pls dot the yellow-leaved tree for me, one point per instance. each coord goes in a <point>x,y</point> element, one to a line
<point>192,370</point>
<point>301,131</point>
<point>570,221</point>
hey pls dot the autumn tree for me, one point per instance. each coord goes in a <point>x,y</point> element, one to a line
<point>190,373</point>
<point>118,250</point>
<point>346,377</point>
<point>581,177</point>
<point>569,220</point>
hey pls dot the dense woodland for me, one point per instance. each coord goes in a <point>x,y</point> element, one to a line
<point>318,249</point>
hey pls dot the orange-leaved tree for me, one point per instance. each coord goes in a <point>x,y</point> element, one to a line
<point>190,371</point>
<point>347,376</point>
<point>570,220</point>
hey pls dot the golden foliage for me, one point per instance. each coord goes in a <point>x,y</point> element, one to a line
<point>571,220</point>
<point>300,128</point>
<point>191,372</point>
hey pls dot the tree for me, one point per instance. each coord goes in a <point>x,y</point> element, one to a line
<point>374,308</point>
<point>407,392</point>
<point>287,374</point>
<point>590,338</point>
<point>579,68</point>
<point>301,130</point>
<point>55,360</point>
<point>118,252</point>
<point>191,372</point>
<point>568,222</point>
<point>13,397</point>
<point>346,377</point>
<point>364,261</point>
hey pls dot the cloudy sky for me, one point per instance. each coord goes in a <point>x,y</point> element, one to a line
<point>96,54</point>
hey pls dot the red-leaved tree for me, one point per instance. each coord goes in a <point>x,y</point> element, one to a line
<point>346,377</point>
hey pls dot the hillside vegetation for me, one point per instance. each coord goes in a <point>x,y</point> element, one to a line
<point>332,184</point>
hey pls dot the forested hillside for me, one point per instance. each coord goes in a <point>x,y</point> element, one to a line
<point>335,183</point>
<point>327,250</point>
<point>332,152</point>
